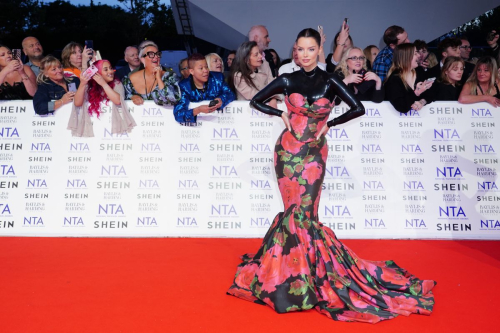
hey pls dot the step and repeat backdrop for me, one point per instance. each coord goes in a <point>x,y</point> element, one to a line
<point>425,174</point>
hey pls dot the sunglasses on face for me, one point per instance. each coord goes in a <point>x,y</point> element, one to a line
<point>357,58</point>
<point>152,54</point>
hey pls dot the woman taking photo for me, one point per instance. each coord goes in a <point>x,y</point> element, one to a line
<point>448,87</point>
<point>54,89</point>
<point>301,264</point>
<point>402,87</point>
<point>367,86</point>
<point>75,59</point>
<point>482,85</point>
<point>102,87</point>
<point>152,82</point>
<point>17,81</point>
<point>245,79</point>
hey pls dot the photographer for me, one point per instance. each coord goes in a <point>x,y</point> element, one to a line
<point>367,86</point>
<point>17,81</point>
<point>202,85</point>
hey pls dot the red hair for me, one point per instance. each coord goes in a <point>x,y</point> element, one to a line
<point>96,93</point>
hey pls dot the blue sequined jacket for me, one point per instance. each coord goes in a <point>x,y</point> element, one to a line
<point>215,87</point>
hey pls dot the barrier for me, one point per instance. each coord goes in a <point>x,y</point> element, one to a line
<point>426,174</point>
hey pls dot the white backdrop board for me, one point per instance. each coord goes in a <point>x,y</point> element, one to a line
<point>427,174</point>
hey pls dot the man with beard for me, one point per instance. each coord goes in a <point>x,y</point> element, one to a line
<point>34,51</point>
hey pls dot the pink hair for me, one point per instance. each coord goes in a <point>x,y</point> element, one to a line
<point>96,93</point>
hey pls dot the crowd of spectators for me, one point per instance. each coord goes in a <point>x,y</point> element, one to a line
<point>404,73</point>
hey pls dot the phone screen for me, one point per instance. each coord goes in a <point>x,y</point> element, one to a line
<point>16,54</point>
<point>72,86</point>
<point>89,44</point>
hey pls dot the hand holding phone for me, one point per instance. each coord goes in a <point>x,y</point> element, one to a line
<point>72,86</point>
<point>89,72</point>
<point>213,103</point>
<point>16,54</point>
<point>431,79</point>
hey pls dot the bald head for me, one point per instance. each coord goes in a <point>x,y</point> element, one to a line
<point>32,48</point>
<point>260,35</point>
<point>132,57</point>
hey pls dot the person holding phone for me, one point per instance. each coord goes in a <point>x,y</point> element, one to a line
<point>75,59</point>
<point>342,42</point>
<point>17,81</point>
<point>152,83</point>
<point>367,86</point>
<point>102,87</point>
<point>301,264</point>
<point>245,78</point>
<point>201,85</point>
<point>53,87</point>
<point>482,85</point>
<point>402,88</point>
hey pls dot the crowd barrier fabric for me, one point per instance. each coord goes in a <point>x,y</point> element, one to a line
<point>421,175</point>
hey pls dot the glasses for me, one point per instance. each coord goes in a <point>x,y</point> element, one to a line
<point>152,54</point>
<point>357,58</point>
<point>466,47</point>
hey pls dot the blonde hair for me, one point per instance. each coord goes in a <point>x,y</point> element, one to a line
<point>66,54</point>
<point>448,64</point>
<point>208,59</point>
<point>46,63</point>
<point>145,44</point>
<point>474,82</point>
<point>342,66</point>
<point>432,60</point>
<point>401,62</point>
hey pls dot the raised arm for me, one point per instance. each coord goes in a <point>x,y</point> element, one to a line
<point>356,108</point>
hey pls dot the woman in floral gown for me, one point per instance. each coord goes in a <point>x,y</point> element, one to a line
<point>301,264</point>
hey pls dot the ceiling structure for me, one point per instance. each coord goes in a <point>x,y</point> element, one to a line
<point>226,22</point>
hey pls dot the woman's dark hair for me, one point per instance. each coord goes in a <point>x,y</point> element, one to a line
<point>278,61</point>
<point>240,65</point>
<point>310,32</point>
<point>420,44</point>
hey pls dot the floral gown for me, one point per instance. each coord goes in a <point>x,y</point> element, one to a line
<point>301,264</point>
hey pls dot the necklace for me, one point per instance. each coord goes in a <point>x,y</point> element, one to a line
<point>148,96</point>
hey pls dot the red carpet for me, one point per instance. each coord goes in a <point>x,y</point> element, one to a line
<point>179,285</point>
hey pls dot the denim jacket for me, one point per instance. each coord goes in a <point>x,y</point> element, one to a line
<point>49,92</point>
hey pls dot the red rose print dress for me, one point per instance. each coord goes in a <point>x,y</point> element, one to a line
<point>301,264</point>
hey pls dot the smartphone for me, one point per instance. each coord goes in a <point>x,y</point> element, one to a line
<point>89,72</point>
<point>431,79</point>
<point>72,86</point>
<point>213,103</point>
<point>346,21</point>
<point>89,44</point>
<point>320,28</point>
<point>16,54</point>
